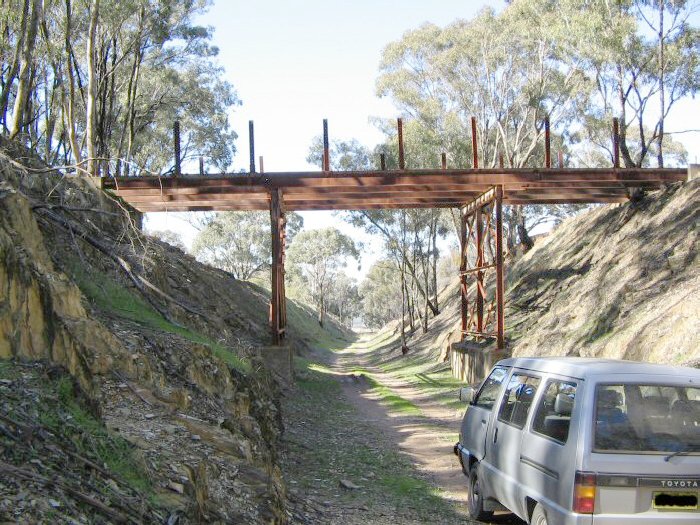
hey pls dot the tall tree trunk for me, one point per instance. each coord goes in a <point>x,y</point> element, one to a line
<point>412,271</point>
<point>403,304</point>
<point>69,109</point>
<point>434,253</point>
<point>24,85</point>
<point>523,234</point>
<point>662,87</point>
<point>14,67</point>
<point>411,305</point>
<point>427,300</point>
<point>91,117</point>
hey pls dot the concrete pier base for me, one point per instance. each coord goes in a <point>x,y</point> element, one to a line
<point>278,359</point>
<point>471,361</point>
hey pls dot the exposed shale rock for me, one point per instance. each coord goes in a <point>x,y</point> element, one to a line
<point>155,357</point>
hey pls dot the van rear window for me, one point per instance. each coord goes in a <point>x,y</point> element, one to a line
<point>633,417</point>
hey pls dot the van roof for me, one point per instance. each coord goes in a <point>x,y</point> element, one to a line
<point>587,367</point>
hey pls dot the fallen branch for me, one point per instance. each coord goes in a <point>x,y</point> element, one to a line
<point>138,280</point>
<point>31,476</point>
<point>98,245</point>
<point>131,387</point>
<point>73,208</point>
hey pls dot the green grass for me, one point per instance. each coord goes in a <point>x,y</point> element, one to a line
<point>56,407</point>
<point>405,486</point>
<point>315,378</point>
<point>303,321</point>
<point>390,399</point>
<point>114,452</point>
<point>111,296</point>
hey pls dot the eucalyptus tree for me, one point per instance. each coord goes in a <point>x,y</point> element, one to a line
<point>380,301</point>
<point>507,70</point>
<point>315,258</point>
<point>344,299</point>
<point>87,80</point>
<point>643,56</point>
<point>410,236</point>
<point>239,242</point>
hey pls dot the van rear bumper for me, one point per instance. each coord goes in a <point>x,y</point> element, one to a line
<point>648,518</point>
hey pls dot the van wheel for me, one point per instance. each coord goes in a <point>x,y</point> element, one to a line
<point>475,499</point>
<point>538,516</point>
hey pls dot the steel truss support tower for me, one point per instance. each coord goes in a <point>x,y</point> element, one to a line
<point>481,267</point>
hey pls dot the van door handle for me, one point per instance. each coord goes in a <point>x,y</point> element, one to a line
<point>495,435</point>
<point>483,421</point>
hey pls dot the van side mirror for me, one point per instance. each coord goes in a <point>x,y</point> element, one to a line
<point>467,394</point>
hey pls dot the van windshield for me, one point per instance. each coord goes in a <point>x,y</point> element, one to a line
<point>633,417</point>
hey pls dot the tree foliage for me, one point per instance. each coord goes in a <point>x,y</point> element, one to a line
<point>240,242</point>
<point>89,81</point>
<point>381,302</point>
<point>576,63</point>
<point>315,259</point>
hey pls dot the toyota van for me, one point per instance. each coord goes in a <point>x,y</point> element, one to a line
<point>567,441</point>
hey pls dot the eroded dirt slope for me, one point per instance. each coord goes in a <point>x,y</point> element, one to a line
<point>620,282</point>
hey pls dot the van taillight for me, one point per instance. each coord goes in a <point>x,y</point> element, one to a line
<point>584,492</point>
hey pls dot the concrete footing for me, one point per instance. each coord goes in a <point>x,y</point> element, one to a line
<point>471,361</point>
<point>693,171</point>
<point>278,359</point>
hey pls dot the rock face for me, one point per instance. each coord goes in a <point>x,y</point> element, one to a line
<point>140,327</point>
<point>42,315</point>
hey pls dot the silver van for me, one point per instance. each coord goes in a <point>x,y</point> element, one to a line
<point>583,441</point>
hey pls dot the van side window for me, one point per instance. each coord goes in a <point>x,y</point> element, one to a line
<point>517,399</point>
<point>553,416</point>
<point>489,390</point>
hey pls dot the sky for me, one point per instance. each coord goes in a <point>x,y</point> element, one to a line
<point>295,62</point>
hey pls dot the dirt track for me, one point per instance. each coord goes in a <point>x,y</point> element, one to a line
<point>421,440</point>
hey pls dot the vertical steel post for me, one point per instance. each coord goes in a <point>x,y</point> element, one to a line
<point>382,161</point>
<point>547,145</point>
<point>176,140</point>
<point>260,162</point>
<point>326,147</point>
<point>479,273</point>
<point>275,292</point>
<point>282,301</point>
<point>402,162</point>
<point>463,278</point>
<point>475,148</point>
<point>561,159</point>
<point>616,142</point>
<point>251,142</point>
<point>201,166</point>
<point>500,331</point>
<point>444,161</point>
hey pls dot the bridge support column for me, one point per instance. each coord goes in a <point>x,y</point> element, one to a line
<point>482,264</point>
<point>278,303</point>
